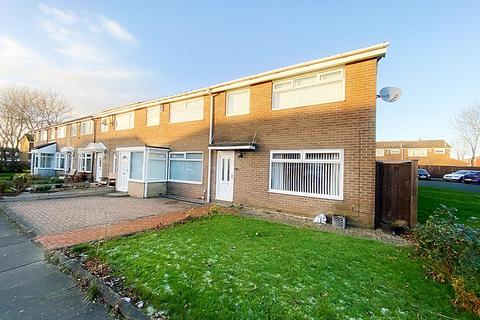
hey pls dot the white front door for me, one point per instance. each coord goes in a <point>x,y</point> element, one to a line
<point>123,172</point>
<point>225,175</point>
<point>99,165</point>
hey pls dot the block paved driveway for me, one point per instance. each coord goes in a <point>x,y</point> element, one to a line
<point>57,216</point>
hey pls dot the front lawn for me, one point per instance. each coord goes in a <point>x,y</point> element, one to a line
<point>231,267</point>
<point>6,175</point>
<point>467,203</point>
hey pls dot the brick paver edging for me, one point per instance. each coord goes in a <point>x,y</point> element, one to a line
<point>108,295</point>
<point>75,237</point>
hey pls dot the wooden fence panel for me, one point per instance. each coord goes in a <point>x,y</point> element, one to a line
<point>396,193</point>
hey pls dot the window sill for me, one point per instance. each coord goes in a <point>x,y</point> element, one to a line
<point>186,182</point>
<point>308,195</point>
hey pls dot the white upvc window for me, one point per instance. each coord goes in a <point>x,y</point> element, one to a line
<point>186,167</point>
<point>60,161</point>
<point>318,88</point>
<point>417,152</point>
<point>439,150</point>
<point>136,165</point>
<point>124,121</point>
<point>147,164</point>
<point>380,152</point>
<point>153,116</point>
<point>156,165</point>
<point>52,133</point>
<point>43,135</point>
<point>37,136</point>
<point>61,132</point>
<point>73,129</point>
<point>187,110</point>
<point>238,102</point>
<point>395,151</point>
<point>85,162</point>
<point>86,127</point>
<point>308,173</point>
<point>104,122</point>
<point>46,160</point>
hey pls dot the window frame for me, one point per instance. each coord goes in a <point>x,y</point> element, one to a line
<point>73,129</point>
<point>43,135</point>
<point>411,152</point>
<point>184,159</point>
<point>131,121</point>
<point>439,151</point>
<point>104,127</point>
<point>51,134</point>
<point>185,102</point>
<point>394,151</point>
<point>62,129</point>
<point>82,160</point>
<point>229,93</point>
<point>58,156</point>
<point>82,133</point>
<point>318,75</point>
<point>148,118</point>
<point>379,152</point>
<point>303,159</point>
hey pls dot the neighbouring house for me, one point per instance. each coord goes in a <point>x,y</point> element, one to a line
<point>427,152</point>
<point>300,139</point>
<point>24,147</point>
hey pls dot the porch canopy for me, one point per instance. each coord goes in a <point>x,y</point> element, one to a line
<point>233,146</point>
<point>93,147</point>
<point>45,148</point>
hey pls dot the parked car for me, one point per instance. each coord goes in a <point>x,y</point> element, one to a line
<point>423,174</point>
<point>472,177</point>
<point>456,176</point>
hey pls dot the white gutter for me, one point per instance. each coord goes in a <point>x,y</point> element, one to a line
<point>377,51</point>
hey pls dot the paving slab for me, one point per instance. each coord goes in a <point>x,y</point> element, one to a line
<point>31,288</point>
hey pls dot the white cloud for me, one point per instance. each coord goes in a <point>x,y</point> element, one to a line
<point>67,17</point>
<point>116,30</point>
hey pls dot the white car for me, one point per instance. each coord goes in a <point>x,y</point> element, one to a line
<point>456,176</point>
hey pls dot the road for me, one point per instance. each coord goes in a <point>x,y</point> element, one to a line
<point>440,184</point>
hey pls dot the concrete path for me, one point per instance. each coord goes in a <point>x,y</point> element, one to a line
<point>31,288</point>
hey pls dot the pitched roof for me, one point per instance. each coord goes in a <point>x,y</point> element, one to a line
<point>440,143</point>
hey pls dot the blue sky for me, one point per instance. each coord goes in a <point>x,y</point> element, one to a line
<point>101,54</point>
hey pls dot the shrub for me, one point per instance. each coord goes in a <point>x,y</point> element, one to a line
<point>42,188</point>
<point>452,251</point>
<point>5,186</point>
<point>14,166</point>
<point>21,181</point>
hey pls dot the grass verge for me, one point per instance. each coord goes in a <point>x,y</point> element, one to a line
<point>467,204</point>
<point>226,266</point>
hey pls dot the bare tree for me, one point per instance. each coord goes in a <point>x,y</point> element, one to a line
<point>460,149</point>
<point>24,110</point>
<point>467,125</point>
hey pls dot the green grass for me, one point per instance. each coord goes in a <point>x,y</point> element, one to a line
<point>230,267</point>
<point>6,175</point>
<point>467,203</point>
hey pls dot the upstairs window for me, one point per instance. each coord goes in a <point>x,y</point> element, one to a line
<point>104,124</point>
<point>43,135</point>
<point>61,132</point>
<point>380,152</point>
<point>417,152</point>
<point>189,110</point>
<point>73,129</point>
<point>52,134</point>
<point>238,102</point>
<point>308,90</point>
<point>86,127</point>
<point>394,151</point>
<point>309,173</point>
<point>439,151</point>
<point>153,116</point>
<point>124,121</point>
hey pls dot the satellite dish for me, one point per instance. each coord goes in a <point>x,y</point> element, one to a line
<point>390,94</point>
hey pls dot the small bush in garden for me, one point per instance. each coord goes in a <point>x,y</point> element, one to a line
<point>21,181</point>
<point>452,250</point>
<point>43,188</point>
<point>5,186</point>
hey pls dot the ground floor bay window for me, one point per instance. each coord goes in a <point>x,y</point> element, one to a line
<point>310,173</point>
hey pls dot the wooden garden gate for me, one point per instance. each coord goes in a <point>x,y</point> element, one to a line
<point>396,193</point>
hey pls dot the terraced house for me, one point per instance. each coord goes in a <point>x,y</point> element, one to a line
<point>299,139</point>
